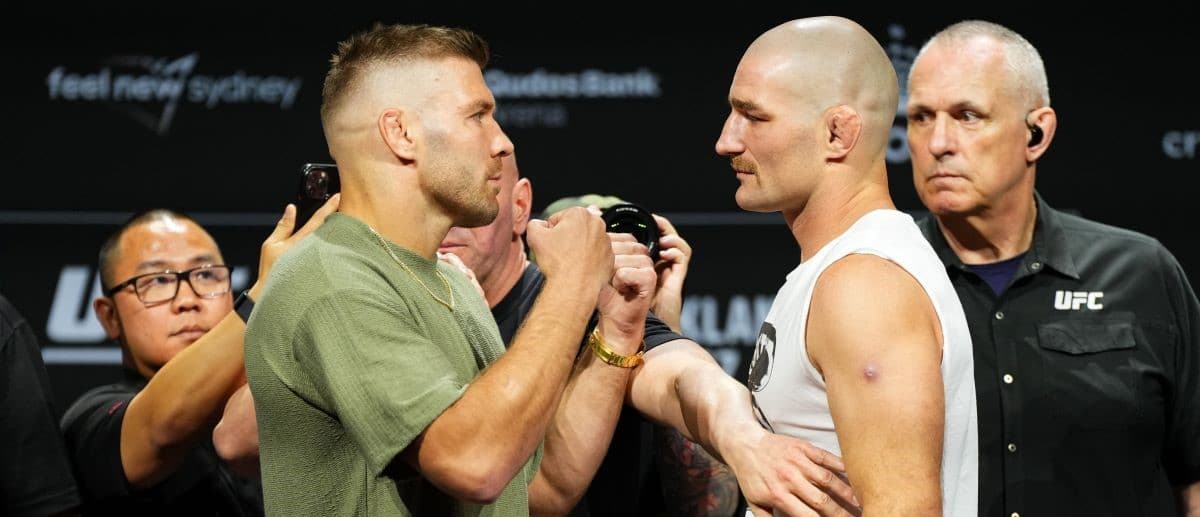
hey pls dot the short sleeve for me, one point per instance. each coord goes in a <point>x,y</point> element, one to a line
<point>657,332</point>
<point>1182,454</point>
<point>93,432</point>
<point>376,369</point>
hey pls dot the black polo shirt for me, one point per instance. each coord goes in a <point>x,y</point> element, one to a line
<point>201,485</point>
<point>627,482</point>
<point>1087,373</point>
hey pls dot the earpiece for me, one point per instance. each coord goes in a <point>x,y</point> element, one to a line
<point>1035,134</point>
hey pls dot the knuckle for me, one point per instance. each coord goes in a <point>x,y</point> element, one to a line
<point>824,500</point>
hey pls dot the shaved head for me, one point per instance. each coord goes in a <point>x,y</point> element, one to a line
<point>829,61</point>
<point>362,56</point>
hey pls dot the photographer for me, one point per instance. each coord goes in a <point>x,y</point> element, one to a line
<point>144,446</point>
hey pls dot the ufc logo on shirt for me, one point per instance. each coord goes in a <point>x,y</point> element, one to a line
<point>1074,300</point>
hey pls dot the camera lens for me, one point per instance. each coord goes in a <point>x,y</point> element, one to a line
<point>316,184</point>
<point>632,219</point>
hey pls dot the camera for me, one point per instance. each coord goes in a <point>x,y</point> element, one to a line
<point>635,220</point>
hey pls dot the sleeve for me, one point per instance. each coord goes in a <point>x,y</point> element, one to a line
<point>1182,454</point>
<point>379,373</point>
<point>657,332</point>
<point>35,475</point>
<point>93,432</point>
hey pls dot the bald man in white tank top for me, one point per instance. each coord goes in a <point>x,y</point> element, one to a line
<point>865,352</point>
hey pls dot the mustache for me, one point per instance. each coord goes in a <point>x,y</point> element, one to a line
<point>743,164</point>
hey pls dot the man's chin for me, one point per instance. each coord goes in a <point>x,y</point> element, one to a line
<point>477,218</point>
<point>946,203</point>
<point>185,339</point>
<point>751,204</point>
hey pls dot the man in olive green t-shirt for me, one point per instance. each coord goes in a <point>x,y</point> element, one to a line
<point>376,370</point>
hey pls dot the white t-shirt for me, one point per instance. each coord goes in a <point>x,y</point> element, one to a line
<point>790,394</point>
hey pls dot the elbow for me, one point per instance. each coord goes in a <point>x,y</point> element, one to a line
<point>477,479</point>
<point>476,486</point>
<point>234,447</point>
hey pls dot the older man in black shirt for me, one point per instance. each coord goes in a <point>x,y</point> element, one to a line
<point>1087,364</point>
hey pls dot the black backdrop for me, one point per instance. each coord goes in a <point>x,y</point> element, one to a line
<point>212,111</point>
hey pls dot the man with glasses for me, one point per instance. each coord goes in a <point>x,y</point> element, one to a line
<point>146,445</point>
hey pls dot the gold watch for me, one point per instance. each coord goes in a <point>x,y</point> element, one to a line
<point>607,354</point>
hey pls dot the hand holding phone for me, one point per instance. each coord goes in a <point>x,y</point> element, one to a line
<point>318,182</point>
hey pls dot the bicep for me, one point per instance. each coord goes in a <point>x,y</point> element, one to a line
<point>874,335</point>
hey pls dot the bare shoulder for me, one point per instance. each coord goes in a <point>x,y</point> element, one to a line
<point>864,301</point>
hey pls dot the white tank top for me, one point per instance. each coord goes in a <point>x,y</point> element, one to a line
<point>790,394</point>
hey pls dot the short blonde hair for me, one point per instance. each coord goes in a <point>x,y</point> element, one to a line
<point>393,43</point>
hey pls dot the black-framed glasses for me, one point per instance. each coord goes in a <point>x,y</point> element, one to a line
<point>208,281</point>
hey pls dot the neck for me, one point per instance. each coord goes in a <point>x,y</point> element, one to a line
<point>834,206</point>
<point>131,364</point>
<point>993,234</point>
<point>505,276</point>
<point>392,202</point>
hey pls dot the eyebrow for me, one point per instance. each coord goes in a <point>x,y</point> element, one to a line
<point>162,265</point>
<point>480,105</point>
<point>744,105</point>
<point>958,106</point>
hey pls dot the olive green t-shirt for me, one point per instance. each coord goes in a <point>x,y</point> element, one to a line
<point>349,359</point>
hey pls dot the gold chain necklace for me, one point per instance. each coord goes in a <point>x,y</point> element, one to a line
<point>414,275</point>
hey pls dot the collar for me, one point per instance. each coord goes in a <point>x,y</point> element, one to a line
<point>1049,246</point>
<point>132,378</point>
<point>512,300</point>
<point>1050,240</point>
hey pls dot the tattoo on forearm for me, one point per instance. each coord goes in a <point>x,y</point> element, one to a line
<point>694,483</point>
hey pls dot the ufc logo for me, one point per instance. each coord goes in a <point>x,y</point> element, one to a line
<point>1073,300</point>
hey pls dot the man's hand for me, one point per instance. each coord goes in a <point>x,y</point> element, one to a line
<point>572,245</point>
<point>624,302</point>
<point>453,260</point>
<point>789,475</point>
<point>282,238</point>
<point>674,255</point>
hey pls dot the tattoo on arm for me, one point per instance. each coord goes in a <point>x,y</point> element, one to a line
<point>693,482</point>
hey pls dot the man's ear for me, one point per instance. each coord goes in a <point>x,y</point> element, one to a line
<point>106,312</point>
<point>396,131</point>
<point>1046,120</point>
<point>522,199</point>
<point>843,126</point>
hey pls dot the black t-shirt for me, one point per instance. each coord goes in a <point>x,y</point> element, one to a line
<point>202,485</point>
<point>627,482</point>
<point>35,475</point>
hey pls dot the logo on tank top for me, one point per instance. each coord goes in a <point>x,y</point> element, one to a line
<point>764,358</point>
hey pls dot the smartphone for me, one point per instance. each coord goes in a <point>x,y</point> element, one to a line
<point>318,182</point>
